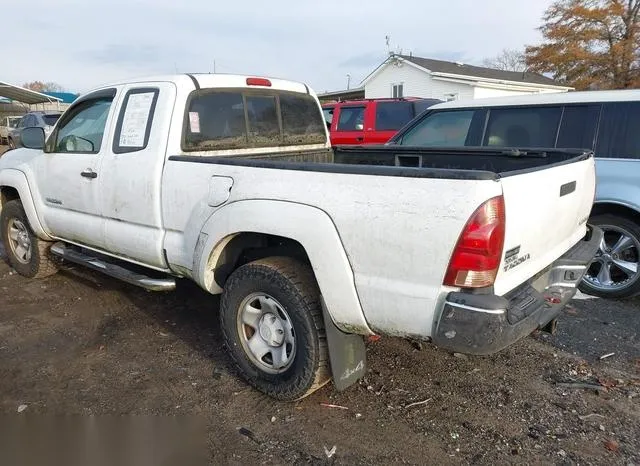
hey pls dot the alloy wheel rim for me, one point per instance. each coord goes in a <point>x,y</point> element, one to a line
<point>615,265</point>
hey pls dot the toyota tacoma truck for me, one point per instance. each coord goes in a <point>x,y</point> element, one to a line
<point>231,181</point>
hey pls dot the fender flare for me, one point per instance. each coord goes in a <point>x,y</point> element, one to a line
<point>309,226</point>
<point>12,178</point>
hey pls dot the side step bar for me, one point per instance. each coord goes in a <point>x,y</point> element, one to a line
<point>113,270</point>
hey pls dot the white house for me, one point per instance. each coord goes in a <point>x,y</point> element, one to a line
<point>410,76</point>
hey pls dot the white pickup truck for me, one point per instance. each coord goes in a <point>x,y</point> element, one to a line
<point>230,181</point>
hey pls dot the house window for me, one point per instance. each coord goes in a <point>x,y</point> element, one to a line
<point>397,91</point>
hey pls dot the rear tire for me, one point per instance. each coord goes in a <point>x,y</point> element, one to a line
<point>611,273</point>
<point>27,254</point>
<point>272,324</point>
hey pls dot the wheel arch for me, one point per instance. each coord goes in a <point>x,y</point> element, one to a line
<point>241,248</point>
<point>616,208</point>
<point>262,228</point>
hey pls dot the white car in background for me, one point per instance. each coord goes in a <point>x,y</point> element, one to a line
<point>6,123</point>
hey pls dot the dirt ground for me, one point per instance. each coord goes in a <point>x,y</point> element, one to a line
<point>82,344</point>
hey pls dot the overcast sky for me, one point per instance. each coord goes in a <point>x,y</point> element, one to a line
<point>85,43</point>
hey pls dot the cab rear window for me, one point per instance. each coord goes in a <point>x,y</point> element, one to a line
<point>234,119</point>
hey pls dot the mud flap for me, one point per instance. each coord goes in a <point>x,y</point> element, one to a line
<point>347,353</point>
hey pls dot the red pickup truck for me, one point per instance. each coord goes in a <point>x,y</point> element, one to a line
<point>371,121</point>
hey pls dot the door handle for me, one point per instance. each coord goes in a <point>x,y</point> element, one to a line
<point>88,173</point>
<point>360,139</point>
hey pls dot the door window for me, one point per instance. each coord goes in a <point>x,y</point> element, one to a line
<point>351,119</point>
<point>83,128</point>
<point>442,129</point>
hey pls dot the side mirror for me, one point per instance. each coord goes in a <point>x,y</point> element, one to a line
<point>33,138</point>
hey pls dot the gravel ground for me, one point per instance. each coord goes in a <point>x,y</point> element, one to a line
<point>82,344</point>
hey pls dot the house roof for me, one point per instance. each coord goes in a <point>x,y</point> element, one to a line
<point>440,66</point>
<point>478,72</point>
<point>23,95</point>
<point>353,93</point>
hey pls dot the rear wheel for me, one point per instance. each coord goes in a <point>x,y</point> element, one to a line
<point>614,271</point>
<point>27,254</point>
<point>273,328</point>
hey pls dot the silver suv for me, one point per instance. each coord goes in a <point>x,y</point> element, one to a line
<point>607,122</point>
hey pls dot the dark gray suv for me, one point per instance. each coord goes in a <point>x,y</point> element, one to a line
<point>45,120</point>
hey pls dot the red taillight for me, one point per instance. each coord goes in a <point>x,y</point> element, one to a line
<point>258,82</point>
<point>477,255</point>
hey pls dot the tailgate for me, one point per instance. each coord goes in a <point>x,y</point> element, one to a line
<point>546,214</point>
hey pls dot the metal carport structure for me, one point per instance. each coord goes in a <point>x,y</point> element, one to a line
<point>26,96</point>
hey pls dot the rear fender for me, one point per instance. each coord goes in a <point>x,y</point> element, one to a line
<point>309,226</point>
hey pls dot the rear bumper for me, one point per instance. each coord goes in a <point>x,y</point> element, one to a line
<point>485,323</point>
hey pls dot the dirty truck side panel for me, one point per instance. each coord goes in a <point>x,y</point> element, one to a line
<point>387,230</point>
<point>131,175</point>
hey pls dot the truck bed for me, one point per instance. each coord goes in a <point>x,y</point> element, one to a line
<point>415,162</point>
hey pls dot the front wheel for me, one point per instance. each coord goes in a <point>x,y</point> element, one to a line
<point>614,271</point>
<point>12,144</point>
<point>272,324</point>
<point>27,254</point>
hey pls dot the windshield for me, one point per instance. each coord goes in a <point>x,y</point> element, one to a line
<point>50,119</point>
<point>13,122</point>
<point>328,114</point>
<point>236,119</point>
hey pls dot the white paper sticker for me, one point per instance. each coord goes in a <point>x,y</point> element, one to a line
<point>194,122</point>
<point>136,117</point>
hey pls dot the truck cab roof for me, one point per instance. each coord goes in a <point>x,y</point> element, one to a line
<point>218,80</point>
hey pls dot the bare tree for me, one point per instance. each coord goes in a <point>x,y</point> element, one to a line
<point>40,86</point>
<point>507,60</point>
